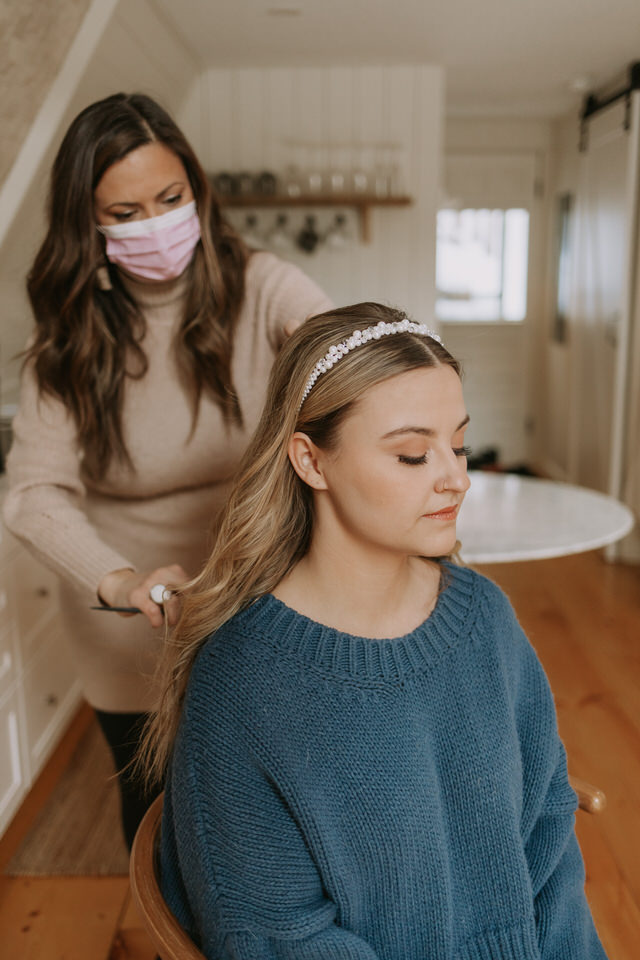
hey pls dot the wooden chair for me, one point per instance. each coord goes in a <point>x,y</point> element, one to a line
<point>590,799</point>
<point>166,934</point>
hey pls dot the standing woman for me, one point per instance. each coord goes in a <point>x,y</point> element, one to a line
<point>155,330</point>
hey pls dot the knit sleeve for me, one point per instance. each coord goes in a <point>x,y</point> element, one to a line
<point>564,924</point>
<point>44,504</point>
<point>563,920</point>
<point>236,866</point>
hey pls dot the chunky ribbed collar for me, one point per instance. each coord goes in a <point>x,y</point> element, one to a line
<point>364,659</point>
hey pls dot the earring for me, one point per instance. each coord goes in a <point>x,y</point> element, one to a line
<point>102,278</point>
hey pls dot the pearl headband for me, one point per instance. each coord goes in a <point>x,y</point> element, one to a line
<point>357,339</point>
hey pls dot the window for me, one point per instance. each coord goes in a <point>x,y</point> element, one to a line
<point>481,264</point>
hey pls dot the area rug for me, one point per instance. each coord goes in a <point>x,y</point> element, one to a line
<point>77,832</point>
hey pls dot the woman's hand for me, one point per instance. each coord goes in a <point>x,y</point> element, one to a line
<point>127,588</point>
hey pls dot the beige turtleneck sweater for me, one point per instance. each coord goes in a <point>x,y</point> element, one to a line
<point>162,511</point>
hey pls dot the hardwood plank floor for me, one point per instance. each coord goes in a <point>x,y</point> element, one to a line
<point>75,918</point>
<point>583,617</point>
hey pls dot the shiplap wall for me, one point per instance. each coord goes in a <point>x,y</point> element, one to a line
<point>137,51</point>
<point>243,119</point>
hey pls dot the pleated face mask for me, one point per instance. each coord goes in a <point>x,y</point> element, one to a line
<point>158,248</point>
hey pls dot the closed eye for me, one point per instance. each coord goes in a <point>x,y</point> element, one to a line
<point>415,461</point>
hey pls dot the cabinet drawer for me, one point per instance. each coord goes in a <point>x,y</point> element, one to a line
<point>12,779</point>
<point>35,596</point>
<point>49,690</point>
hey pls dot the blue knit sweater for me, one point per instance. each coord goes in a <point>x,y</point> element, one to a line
<point>334,797</point>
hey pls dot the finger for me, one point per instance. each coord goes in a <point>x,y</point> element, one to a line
<point>170,576</point>
<point>178,574</point>
<point>172,611</point>
<point>154,581</point>
<point>159,585</point>
<point>174,579</point>
<point>152,611</point>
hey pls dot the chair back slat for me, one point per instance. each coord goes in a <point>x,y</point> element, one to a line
<point>168,937</point>
<point>590,798</point>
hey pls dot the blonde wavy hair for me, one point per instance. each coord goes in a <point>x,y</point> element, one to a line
<point>267,523</point>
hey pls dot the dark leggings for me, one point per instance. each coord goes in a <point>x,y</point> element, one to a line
<point>122,733</point>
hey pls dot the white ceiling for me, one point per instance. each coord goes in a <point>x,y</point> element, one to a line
<point>504,57</point>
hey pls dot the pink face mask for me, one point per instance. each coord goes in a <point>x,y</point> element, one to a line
<point>158,248</point>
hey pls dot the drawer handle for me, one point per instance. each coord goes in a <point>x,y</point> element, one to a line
<point>42,592</point>
<point>52,700</point>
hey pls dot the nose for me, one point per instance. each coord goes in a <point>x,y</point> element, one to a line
<point>454,475</point>
<point>151,209</point>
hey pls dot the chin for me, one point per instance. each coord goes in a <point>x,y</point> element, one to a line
<point>440,548</point>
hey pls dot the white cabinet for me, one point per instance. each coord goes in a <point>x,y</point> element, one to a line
<point>7,653</point>
<point>38,688</point>
<point>49,691</point>
<point>12,773</point>
<point>34,598</point>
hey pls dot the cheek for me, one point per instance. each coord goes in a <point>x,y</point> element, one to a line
<point>380,492</point>
<point>366,481</point>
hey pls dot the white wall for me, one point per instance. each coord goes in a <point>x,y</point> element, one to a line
<point>136,51</point>
<point>242,119</point>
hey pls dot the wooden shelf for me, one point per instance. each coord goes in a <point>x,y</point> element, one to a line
<point>361,202</point>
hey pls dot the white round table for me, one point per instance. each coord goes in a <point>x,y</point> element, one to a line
<point>507,517</point>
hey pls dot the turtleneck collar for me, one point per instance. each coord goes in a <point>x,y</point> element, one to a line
<point>151,294</point>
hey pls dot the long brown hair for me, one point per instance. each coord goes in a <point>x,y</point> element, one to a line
<point>87,339</point>
<point>267,523</point>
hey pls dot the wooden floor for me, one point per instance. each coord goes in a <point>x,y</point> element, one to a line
<point>583,617</point>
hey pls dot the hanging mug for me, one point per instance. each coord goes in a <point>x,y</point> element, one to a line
<point>308,238</point>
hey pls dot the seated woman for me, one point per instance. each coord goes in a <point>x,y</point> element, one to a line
<point>362,751</point>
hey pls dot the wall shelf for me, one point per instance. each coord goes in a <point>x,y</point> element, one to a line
<point>360,202</point>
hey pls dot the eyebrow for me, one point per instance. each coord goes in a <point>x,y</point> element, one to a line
<point>134,203</point>
<point>423,431</point>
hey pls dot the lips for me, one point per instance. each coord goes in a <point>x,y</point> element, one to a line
<point>448,513</point>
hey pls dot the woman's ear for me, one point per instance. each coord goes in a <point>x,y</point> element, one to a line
<point>306,460</point>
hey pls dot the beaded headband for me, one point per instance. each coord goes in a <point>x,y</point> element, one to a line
<point>357,339</point>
